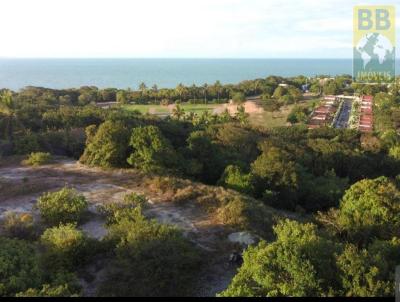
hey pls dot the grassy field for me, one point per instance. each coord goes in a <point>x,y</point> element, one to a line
<point>158,109</point>
<point>277,118</point>
<point>265,119</point>
<point>271,119</point>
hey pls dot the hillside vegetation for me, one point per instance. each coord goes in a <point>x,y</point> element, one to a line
<point>325,203</point>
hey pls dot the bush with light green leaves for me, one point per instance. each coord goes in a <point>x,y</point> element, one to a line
<point>63,206</point>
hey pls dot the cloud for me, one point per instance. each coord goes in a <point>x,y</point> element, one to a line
<point>176,28</point>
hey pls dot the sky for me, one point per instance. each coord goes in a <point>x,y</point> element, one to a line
<point>178,28</point>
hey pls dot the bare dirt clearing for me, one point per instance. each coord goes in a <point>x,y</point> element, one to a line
<point>21,186</point>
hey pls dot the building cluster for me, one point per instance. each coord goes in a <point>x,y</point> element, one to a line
<point>366,114</point>
<point>324,114</point>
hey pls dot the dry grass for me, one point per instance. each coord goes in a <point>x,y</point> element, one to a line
<point>11,189</point>
<point>226,207</point>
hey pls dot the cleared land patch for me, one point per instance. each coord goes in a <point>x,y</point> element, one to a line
<point>193,208</point>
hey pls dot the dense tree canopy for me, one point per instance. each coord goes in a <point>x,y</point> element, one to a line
<point>371,208</point>
<point>340,187</point>
<point>108,147</point>
<point>19,266</point>
<point>152,152</point>
<point>299,263</point>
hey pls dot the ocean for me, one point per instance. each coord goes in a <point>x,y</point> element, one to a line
<point>165,73</point>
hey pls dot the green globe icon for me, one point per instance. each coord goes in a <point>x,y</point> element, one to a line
<point>374,53</point>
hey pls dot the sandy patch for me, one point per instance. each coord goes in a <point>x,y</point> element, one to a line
<point>101,187</point>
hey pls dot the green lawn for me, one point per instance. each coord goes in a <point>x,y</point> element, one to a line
<point>277,118</point>
<point>158,109</point>
<point>265,119</point>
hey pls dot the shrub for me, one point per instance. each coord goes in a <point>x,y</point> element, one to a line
<point>186,194</point>
<point>63,206</point>
<point>66,247</point>
<point>48,290</point>
<point>19,267</point>
<point>135,199</point>
<point>37,159</point>
<point>152,259</point>
<point>239,98</point>
<point>18,225</point>
<point>246,214</point>
<point>234,178</point>
<point>394,152</point>
<point>163,184</point>
<point>27,143</point>
<point>131,201</point>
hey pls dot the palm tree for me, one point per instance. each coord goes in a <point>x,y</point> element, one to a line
<point>180,89</point>
<point>256,85</point>
<point>217,87</point>
<point>191,116</point>
<point>178,112</point>
<point>155,92</point>
<point>142,88</point>
<point>193,91</point>
<point>8,109</point>
<point>205,88</point>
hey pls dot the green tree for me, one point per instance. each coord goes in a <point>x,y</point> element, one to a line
<point>8,109</point>
<point>205,93</point>
<point>19,267</point>
<point>108,147</point>
<point>295,93</point>
<point>331,88</point>
<point>218,88</point>
<point>239,98</point>
<point>371,208</point>
<point>394,152</point>
<point>299,263</point>
<point>180,89</point>
<point>178,112</point>
<point>205,159</point>
<point>151,150</point>
<point>276,172</point>
<point>279,92</point>
<point>63,206</point>
<point>122,97</point>
<point>369,272</point>
<point>143,89</point>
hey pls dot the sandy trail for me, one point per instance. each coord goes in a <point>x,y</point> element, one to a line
<point>23,185</point>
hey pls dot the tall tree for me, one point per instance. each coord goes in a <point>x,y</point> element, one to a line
<point>143,89</point>
<point>205,90</point>
<point>178,112</point>
<point>180,89</point>
<point>218,87</point>
<point>8,108</point>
